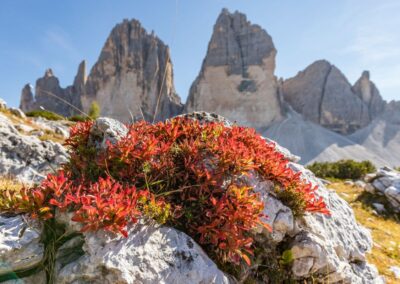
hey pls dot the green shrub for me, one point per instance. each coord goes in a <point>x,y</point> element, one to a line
<point>78,118</point>
<point>45,114</point>
<point>94,111</point>
<point>343,169</point>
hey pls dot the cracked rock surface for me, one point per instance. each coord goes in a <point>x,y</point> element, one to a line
<point>26,157</point>
<point>328,248</point>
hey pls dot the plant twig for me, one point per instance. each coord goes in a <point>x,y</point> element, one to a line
<point>64,101</point>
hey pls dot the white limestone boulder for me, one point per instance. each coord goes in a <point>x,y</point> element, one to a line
<point>26,157</point>
<point>20,246</point>
<point>150,254</point>
<point>332,248</point>
<point>386,182</point>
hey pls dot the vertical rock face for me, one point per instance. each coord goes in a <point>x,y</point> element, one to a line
<point>237,76</point>
<point>46,88</point>
<point>323,95</point>
<point>133,76</point>
<point>80,81</point>
<point>369,94</point>
<point>27,98</point>
<point>49,95</point>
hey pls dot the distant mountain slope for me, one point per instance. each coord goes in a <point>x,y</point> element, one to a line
<point>316,114</point>
<point>49,95</point>
<point>133,78</point>
<point>322,94</point>
<point>382,136</point>
<point>313,142</point>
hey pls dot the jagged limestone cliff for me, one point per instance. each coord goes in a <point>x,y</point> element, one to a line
<point>237,76</point>
<point>133,77</point>
<point>49,95</point>
<point>323,95</point>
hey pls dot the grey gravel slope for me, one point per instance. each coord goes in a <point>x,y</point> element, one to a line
<point>382,136</point>
<point>314,143</point>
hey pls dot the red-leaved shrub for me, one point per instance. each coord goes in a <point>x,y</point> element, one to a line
<point>193,176</point>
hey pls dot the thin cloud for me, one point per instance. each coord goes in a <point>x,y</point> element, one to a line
<point>374,43</point>
<point>57,38</point>
<point>374,47</point>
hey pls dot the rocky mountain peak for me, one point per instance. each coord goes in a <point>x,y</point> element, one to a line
<point>79,83</point>
<point>366,90</point>
<point>365,74</point>
<point>132,79</point>
<point>133,76</point>
<point>392,112</point>
<point>237,76</point>
<point>48,73</point>
<point>80,78</point>
<point>237,43</point>
<point>27,98</point>
<point>322,94</point>
<point>49,95</point>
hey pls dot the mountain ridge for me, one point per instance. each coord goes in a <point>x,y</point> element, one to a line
<point>133,79</point>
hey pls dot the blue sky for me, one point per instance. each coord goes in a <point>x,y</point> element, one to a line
<point>355,35</point>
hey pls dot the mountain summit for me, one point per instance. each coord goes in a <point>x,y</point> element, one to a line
<point>322,94</point>
<point>133,78</point>
<point>318,114</point>
<point>237,76</point>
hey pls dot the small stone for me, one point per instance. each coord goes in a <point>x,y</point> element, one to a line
<point>370,188</point>
<point>349,182</point>
<point>396,271</point>
<point>37,133</point>
<point>62,131</point>
<point>23,128</point>
<point>106,130</point>
<point>17,112</point>
<point>360,184</point>
<point>3,104</point>
<point>369,177</point>
<point>302,266</point>
<point>380,208</point>
<point>325,181</point>
<point>20,246</point>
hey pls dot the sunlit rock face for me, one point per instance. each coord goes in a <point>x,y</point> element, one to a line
<point>133,77</point>
<point>237,76</point>
<point>323,95</point>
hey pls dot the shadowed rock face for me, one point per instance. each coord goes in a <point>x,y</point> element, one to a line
<point>322,94</point>
<point>51,96</point>
<point>369,94</point>
<point>237,76</point>
<point>27,102</point>
<point>133,76</point>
